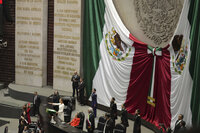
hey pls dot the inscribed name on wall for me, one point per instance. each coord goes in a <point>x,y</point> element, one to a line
<point>67,35</point>
<point>31,42</point>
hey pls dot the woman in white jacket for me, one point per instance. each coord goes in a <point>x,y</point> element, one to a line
<point>60,110</point>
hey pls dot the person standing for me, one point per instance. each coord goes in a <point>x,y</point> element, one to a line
<point>28,112</point>
<point>137,123</point>
<point>124,117</point>
<point>75,80</point>
<point>36,104</point>
<point>113,109</point>
<point>61,109</point>
<point>56,98</point>
<point>90,123</point>
<point>178,123</point>
<point>182,128</point>
<point>81,91</point>
<point>94,101</point>
<point>109,125</point>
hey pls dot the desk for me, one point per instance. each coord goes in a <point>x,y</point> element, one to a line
<point>64,128</point>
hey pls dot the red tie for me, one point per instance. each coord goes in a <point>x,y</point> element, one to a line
<point>1,2</point>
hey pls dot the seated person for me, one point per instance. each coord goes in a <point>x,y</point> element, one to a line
<point>75,122</point>
<point>90,122</point>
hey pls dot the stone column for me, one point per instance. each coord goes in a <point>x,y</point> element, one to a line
<point>67,34</point>
<point>31,42</point>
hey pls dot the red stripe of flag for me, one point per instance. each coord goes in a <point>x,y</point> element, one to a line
<point>140,82</point>
<point>1,2</point>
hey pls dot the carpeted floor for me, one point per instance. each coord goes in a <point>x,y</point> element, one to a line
<point>2,122</point>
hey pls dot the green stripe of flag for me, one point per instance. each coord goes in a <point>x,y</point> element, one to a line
<point>193,16</point>
<point>92,36</point>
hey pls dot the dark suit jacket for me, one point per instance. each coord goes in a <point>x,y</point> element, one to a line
<point>75,79</point>
<point>81,88</point>
<point>94,100</point>
<point>124,117</point>
<point>37,101</point>
<point>109,126</point>
<point>113,110</point>
<point>182,129</point>
<point>137,124</point>
<point>56,98</point>
<point>177,126</point>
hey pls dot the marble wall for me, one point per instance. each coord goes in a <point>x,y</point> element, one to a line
<point>67,36</point>
<point>31,42</point>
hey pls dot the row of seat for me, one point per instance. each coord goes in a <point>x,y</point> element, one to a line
<point>119,128</point>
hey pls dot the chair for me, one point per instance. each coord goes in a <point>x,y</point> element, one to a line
<point>67,113</point>
<point>100,125</point>
<point>82,118</point>
<point>68,99</point>
<point>33,126</point>
<point>119,128</point>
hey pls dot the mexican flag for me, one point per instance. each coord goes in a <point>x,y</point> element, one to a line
<point>155,80</point>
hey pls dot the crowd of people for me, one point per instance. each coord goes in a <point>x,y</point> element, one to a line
<point>77,85</point>
<point>110,117</point>
<point>25,123</point>
<point>180,126</point>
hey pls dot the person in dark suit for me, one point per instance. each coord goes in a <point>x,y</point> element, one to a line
<point>56,98</point>
<point>81,91</point>
<point>124,117</point>
<point>4,13</point>
<point>90,123</point>
<point>109,125</point>
<point>178,123</point>
<point>137,123</point>
<point>75,80</point>
<point>113,109</point>
<point>182,128</point>
<point>94,101</point>
<point>36,104</point>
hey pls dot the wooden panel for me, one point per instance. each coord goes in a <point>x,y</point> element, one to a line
<point>50,43</point>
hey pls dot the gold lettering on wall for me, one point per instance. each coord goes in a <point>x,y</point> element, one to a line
<point>67,28</point>
<point>28,37</point>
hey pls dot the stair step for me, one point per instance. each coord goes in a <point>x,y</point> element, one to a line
<point>10,107</point>
<point>6,92</point>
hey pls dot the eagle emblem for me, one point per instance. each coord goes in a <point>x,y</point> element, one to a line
<point>115,46</point>
<point>180,46</point>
